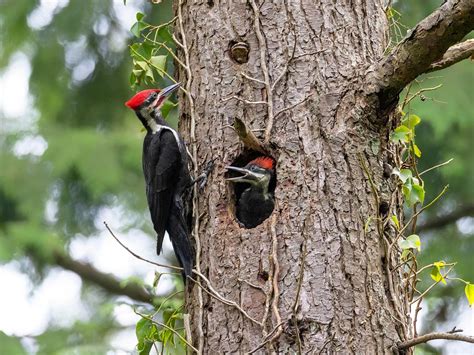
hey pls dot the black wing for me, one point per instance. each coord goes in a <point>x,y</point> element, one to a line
<point>161,166</point>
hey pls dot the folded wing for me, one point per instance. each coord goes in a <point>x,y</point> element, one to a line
<point>161,175</point>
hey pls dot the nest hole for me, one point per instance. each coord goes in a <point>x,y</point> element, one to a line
<point>235,190</point>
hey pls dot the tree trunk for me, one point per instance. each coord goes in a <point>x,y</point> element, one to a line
<point>332,294</point>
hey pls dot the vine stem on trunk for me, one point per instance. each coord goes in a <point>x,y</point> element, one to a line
<point>195,168</point>
<point>266,75</point>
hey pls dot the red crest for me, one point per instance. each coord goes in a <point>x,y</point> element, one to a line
<point>139,97</point>
<point>264,162</point>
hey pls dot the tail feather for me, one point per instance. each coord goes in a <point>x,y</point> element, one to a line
<point>179,237</point>
<point>159,242</point>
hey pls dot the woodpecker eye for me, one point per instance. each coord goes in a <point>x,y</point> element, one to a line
<point>151,98</point>
<point>256,169</point>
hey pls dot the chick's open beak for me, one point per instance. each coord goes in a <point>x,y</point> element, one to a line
<point>247,175</point>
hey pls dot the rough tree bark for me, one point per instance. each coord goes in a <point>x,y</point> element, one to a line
<point>319,69</point>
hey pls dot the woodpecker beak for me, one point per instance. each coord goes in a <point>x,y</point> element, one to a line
<point>166,92</point>
<point>248,176</point>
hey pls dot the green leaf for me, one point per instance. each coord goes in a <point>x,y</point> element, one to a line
<point>165,35</point>
<point>436,275</point>
<point>142,328</point>
<point>145,348</point>
<point>406,189</point>
<point>469,290</point>
<point>401,134</point>
<point>413,192</point>
<point>395,221</point>
<point>411,242</point>
<point>416,151</point>
<point>418,194</point>
<point>167,316</point>
<point>159,62</point>
<point>436,272</point>
<point>149,74</point>
<point>166,108</point>
<point>133,78</point>
<point>403,174</point>
<point>139,16</point>
<point>134,49</point>
<point>142,64</point>
<point>146,49</point>
<point>143,331</point>
<point>411,121</point>
<point>137,28</point>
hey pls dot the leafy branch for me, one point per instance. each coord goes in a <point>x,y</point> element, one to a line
<point>412,186</point>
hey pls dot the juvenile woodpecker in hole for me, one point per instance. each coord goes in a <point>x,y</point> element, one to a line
<point>166,173</point>
<point>256,186</point>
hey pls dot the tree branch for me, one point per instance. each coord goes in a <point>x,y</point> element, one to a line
<point>453,55</point>
<point>106,281</point>
<point>451,217</point>
<point>434,336</point>
<point>423,46</point>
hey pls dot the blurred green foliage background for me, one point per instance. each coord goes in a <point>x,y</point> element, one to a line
<point>70,149</point>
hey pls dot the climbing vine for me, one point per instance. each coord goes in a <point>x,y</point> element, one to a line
<point>413,189</point>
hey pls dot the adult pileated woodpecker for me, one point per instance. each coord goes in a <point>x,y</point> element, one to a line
<point>255,201</point>
<point>166,174</point>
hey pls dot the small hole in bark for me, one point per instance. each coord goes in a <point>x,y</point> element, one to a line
<point>210,3</point>
<point>383,208</point>
<point>263,275</point>
<point>239,51</point>
<point>252,183</point>
<point>387,170</point>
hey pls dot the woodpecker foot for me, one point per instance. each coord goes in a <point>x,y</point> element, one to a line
<point>202,178</point>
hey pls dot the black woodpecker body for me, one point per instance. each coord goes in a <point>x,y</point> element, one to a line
<point>254,191</point>
<point>166,174</point>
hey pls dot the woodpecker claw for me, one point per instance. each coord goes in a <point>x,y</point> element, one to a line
<point>202,178</point>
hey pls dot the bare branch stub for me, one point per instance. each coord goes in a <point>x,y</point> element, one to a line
<point>247,137</point>
<point>453,55</point>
